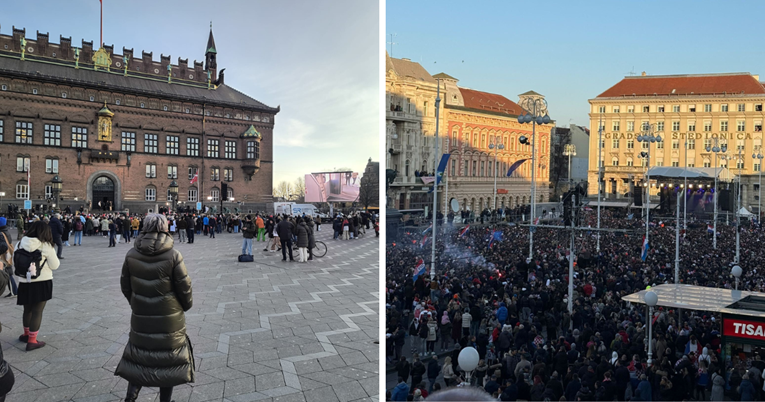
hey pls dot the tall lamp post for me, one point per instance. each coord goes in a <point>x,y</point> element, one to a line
<point>499,146</point>
<point>435,188</point>
<point>535,107</point>
<point>717,150</point>
<point>569,150</point>
<point>173,193</point>
<point>56,185</point>
<point>648,137</point>
<point>759,157</point>
<point>651,299</point>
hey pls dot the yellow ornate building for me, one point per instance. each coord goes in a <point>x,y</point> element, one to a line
<point>476,119</point>
<point>689,112</point>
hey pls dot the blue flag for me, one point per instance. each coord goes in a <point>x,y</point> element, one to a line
<point>440,171</point>
<point>496,235</point>
<point>515,166</point>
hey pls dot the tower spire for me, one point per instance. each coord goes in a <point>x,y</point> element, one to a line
<point>211,65</point>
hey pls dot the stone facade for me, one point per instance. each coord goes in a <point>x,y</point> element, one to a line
<point>160,131</point>
<point>474,121</point>
<point>410,119</point>
<point>689,112</point>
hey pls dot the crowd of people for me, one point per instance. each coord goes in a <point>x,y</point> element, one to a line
<point>487,294</point>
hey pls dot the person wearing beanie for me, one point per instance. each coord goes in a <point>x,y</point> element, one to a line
<point>6,255</point>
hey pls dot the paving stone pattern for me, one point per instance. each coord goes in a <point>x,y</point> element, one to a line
<point>263,331</point>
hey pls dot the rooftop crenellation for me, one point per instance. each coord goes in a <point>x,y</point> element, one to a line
<point>41,49</point>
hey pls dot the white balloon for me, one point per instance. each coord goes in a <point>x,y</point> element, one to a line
<point>468,359</point>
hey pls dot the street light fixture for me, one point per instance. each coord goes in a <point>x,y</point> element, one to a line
<point>736,272</point>
<point>56,184</point>
<point>648,137</point>
<point>569,150</point>
<point>651,299</point>
<point>500,146</point>
<point>535,106</point>
<point>173,188</point>
<point>717,150</point>
<point>759,197</point>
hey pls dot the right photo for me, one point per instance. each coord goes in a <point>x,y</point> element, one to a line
<point>573,207</point>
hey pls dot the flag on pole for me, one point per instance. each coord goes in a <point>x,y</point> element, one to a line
<point>29,185</point>
<point>536,221</point>
<point>195,178</point>
<point>515,166</point>
<point>440,171</point>
<point>423,241</point>
<point>710,229</point>
<point>464,231</point>
<point>419,270</point>
<point>644,253</point>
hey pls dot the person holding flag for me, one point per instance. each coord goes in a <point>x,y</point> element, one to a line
<point>464,231</point>
<point>419,269</point>
<point>644,253</point>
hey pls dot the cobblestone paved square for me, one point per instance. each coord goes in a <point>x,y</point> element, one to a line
<point>263,331</point>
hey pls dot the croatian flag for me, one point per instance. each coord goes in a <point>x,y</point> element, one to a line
<point>424,240</point>
<point>710,229</point>
<point>644,253</point>
<point>464,231</point>
<point>419,270</point>
<point>428,229</point>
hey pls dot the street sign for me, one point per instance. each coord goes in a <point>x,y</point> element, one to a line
<point>199,206</point>
<point>27,204</point>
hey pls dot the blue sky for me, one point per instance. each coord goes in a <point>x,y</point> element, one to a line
<point>571,51</point>
<point>318,60</point>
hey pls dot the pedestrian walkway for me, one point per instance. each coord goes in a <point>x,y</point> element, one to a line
<point>262,331</point>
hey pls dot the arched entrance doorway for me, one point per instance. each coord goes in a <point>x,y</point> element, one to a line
<point>103,193</point>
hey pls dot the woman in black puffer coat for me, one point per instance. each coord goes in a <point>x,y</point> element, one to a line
<point>155,282</point>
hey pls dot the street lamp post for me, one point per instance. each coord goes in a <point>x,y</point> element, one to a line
<point>736,272</point>
<point>717,150</point>
<point>600,173</point>
<point>759,157</point>
<point>435,188</point>
<point>173,192</point>
<point>500,146</point>
<point>651,299</point>
<point>56,184</point>
<point>535,107</point>
<point>569,150</point>
<point>649,138</point>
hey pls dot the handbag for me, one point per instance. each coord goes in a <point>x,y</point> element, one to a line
<point>246,258</point>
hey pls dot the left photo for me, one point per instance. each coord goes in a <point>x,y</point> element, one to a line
<point>189,201</point>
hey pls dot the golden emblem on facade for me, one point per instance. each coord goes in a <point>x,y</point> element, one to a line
<point>102,59</point>
<point>105,124</point>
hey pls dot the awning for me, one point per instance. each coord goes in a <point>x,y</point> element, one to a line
<point>695,173</point>
<point>700,298</point>
<point>745,213</point>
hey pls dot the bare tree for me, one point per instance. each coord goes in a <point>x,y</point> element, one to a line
<point>369,192</point>
<point>285,191</point>
<point>299,189</point>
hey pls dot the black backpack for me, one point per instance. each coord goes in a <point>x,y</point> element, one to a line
<point>22,259</point>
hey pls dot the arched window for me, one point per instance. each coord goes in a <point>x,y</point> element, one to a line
<point>215,194</point>
<point>150,193</point>
<point>230,194</point>
<point>193,194</point>
<point>615,161</point>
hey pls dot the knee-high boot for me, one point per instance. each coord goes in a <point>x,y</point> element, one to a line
<point>132,393</point>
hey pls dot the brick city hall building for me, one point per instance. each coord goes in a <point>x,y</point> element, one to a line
<point>118,129</point>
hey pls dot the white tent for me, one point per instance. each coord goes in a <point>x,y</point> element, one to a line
<point>743,212</point>
<point>690,173</point>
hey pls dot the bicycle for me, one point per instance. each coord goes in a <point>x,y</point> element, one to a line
<point>320,249</point>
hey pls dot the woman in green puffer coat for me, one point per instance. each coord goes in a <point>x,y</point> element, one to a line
<point>155,282</point>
